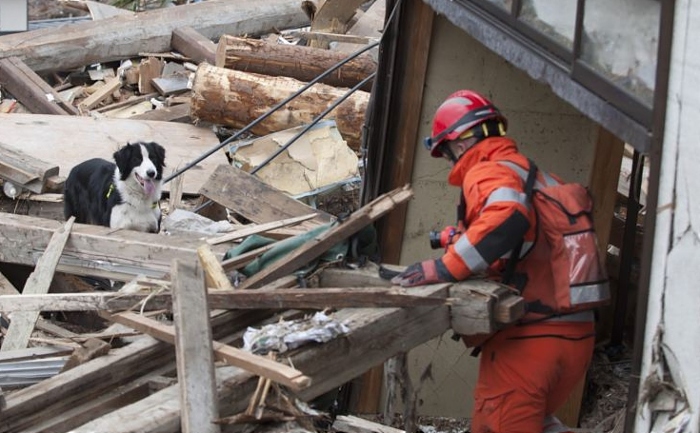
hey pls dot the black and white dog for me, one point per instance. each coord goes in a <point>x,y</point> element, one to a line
<point>124,195</point>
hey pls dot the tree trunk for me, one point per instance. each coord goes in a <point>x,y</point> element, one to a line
<point>302,63</point>
<point>235,99</point>
<point>119,37</point>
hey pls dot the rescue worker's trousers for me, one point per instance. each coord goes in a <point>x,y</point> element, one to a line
<point>527,372</point>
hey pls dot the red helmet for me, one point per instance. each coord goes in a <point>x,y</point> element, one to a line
<point>460,112</point>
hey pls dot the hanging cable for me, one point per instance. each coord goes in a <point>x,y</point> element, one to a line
<point>313,122</point>
<point>285,101</point>
<point>269,112</point>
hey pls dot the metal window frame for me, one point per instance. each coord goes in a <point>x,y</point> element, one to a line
<point>544,60</point>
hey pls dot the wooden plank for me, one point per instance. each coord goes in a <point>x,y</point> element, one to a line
<point>126,36</point>
<point>82,138</point>
<point>174,113</point>
<point>30,89</point>
<point>214,273</point>
<point>194,45</point>
<point>474,307</point>
<point>333,17</point>
<point>255,364</point>
<point>193,350</point>
<point>38,282</point>
<point>246,195</point>
<point>354,424</point>
<point>75,390</point>
<point>313,298</point>
<point>259,228</point>
<point>101,94</point>
<point>95,250</point>
<point>375,335</point>
<point>24,170</point>
<point>312,249</point>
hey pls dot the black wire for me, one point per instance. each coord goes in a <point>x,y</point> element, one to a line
<point>314,122</point>
<point>269,112</point>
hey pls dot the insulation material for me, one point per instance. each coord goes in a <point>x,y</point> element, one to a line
<point>318,158</point>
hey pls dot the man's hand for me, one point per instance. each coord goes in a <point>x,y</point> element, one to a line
<point>426,272</point>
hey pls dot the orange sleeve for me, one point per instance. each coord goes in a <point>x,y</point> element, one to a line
<point>497,218</point>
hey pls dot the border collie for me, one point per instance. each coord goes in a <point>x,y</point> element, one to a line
<point>124,195</point>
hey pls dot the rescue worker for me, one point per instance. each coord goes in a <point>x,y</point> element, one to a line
<point>528,370</point>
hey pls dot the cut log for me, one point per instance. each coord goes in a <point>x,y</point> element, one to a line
<point>236,98</point>
<point>30,89</point>
<point>121,37</point>
<point>302,63</point>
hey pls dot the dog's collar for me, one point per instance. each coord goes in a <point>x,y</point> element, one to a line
<point>109,191</point>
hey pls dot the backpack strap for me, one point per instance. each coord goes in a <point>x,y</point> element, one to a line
<point>515,254</point>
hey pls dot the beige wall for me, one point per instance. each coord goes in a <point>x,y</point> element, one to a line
<point>549,130</point>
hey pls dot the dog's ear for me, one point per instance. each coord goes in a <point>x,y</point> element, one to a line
<point>122,158</point>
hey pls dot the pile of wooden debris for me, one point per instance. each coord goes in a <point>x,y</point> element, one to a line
<point>161,349</point>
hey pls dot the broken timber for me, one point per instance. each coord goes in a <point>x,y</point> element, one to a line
<point>121,37</point>
<point>38,282</point>
<point>235,98</point>
<point>94,250</point>
<point>301,63</point>
<point>24,170</point>
<point>324,241</point>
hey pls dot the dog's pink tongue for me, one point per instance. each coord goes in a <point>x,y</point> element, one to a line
<point>149,187</point>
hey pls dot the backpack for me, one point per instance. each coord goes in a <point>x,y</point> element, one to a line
<point>565,222</point>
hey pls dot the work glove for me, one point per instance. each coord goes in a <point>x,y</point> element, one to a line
<point>422,273</point>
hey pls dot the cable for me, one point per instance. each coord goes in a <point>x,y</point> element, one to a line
<point>269,112</point>
<point>314,122</point>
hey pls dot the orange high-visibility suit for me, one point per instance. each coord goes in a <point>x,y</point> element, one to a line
<point>526,371</point>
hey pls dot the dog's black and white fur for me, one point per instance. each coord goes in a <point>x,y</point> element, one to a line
<point>124,195</point>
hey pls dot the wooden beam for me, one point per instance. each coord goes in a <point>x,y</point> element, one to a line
<point>354,424</point>
<point>313,249</point>
<point>25,171</point>
<point>294,61</point>
<point>100,94</point>
<point>193,350</point>
<point>213,271</point>
<point>30,89</point>
<point>121,37</point>
<point>194,45</point>
<point>259,228</point>
<point>314,298</point>
<point>375,336</point>
<point>95,250</point>
<point>333,17</point>
<point>256,201</point>
<point>255,364</point>
<point>38,282</point>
